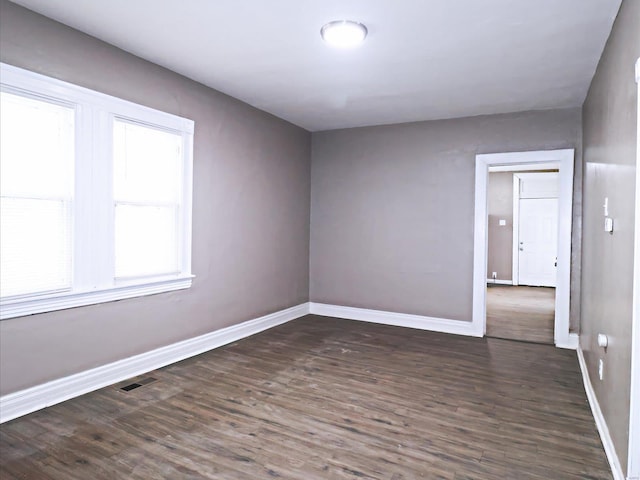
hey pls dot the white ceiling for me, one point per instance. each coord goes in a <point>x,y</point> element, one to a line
<point>422,60</point>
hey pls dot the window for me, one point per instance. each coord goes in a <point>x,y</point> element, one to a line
<point>36,181</point>
<point>95,196</point>
<point>147,200</point>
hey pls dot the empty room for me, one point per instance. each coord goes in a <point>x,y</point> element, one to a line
<point>319,240</point>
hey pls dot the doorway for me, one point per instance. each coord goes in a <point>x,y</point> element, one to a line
<point>522,220</point>
<point>523,161</point>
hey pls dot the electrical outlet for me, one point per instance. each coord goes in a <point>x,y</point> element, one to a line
<point>600,369</point>
<point>494,275</point>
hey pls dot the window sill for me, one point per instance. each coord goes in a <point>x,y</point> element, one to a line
<point>61,301</point>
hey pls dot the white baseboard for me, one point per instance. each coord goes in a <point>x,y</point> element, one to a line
<point>444,325</point>
<point>35,398</point>
<point>499,282</point>
<point>603,430</point>
<point>573,342</point>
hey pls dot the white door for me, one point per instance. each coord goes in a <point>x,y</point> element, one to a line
<point>538,242</point>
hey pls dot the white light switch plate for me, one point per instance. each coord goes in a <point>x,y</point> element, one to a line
<point>608,224</point>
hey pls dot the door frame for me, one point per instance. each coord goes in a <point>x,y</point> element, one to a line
<point>565,159</point>
<point>515,255</point>
<point>633,464</point>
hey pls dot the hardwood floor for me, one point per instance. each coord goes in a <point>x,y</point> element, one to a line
<point>322,398</point>
<point>521,313</point>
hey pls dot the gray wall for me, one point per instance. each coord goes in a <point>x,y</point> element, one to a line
<point>609,119</point>
<point>392,208</point>
<point>250,212</point>
<point>500,238</point>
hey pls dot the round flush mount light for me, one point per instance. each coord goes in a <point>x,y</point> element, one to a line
<point>343,33</point>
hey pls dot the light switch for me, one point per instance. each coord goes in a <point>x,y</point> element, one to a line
<point>606,206</point>
<point>608,224</point>
<point>502,222</point>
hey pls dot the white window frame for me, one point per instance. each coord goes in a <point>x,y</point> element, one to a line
<point>93,205</point>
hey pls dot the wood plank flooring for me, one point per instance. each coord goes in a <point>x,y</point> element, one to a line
<point>323,398</point>
<point>521,313</point>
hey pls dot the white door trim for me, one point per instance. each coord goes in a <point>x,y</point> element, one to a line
<point>565,205</point>
<point>633,465</point>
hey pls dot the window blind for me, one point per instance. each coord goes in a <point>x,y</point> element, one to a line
<point>36,195</point>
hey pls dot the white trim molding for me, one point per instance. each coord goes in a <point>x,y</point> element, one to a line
<point>573,342</point>
<point>458,327</point>
<point>50,303</point>
<point>633,465</point>
<point>565,205</point>
<point>524,168</point>
<point>35,398</point>
<point>601,424</point>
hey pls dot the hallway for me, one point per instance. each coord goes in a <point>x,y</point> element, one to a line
<point>521,313</point>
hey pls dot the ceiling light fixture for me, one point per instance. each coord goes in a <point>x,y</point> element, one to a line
<point>343,33</point>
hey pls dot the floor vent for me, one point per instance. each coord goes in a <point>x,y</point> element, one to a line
<point>139,383</point>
